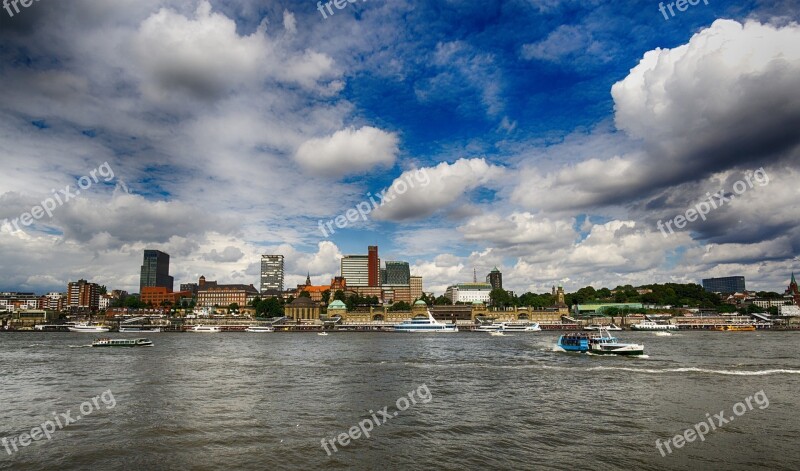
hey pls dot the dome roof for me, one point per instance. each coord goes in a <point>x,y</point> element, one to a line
<point>337,304</point>
<point>420,303</point>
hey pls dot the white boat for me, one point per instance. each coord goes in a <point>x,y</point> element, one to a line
<point>488,328</point>
<point>206,329</point>
<point>107,342</point>
<point>260,329</point>
<point>424,323</point>
<point>606,327</point>
<point>86,327</point>
<point>520,327</point>
<point>650,325</point>
<point>322,333</point>
<point>497,333</point>
<point>605,344</point>
<point>139,329</point>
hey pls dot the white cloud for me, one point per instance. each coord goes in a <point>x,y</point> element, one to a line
<point>349,151</point>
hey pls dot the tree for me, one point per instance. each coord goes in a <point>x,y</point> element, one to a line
<point>339,295</point>
<point>270,307</point>
<point>304,294</point>
<point>442,300</point>
<point>326,296</point>
<point>400,306</point>
<point>500,298</point>
<point>233,307</point>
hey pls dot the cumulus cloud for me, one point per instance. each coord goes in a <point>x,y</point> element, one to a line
<point>349,151</point>
<point>446,184</point>
<point>228,255</point>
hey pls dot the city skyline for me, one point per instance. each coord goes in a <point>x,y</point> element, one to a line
<point>540,153</point>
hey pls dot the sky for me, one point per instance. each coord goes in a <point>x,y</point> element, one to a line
<point>566,142</point>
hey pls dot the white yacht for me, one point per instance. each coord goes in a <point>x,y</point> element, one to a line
<point>605,344</point>
<point>424,323</point>
<point>206,329</point>
<point>650,325</point>
<point>260,329</point>
<point>86,327</point>
<point>520,327</point>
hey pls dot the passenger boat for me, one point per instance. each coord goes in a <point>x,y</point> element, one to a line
<point>108,342</point>
<point>735,328</point>
<point>596,327</point>
<point>424,323</point>
<point>601,343</point>
<point>650,325</point>
<point>86,327</point>
<point>206,329</point>
<point>260,329</point>
<point>520,327</point>
<point>606,344</point>
<point>140,329</point>
<point>488,328</point>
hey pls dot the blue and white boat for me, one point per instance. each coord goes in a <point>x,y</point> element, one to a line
<point>424,323</point>
<point>601,343</point>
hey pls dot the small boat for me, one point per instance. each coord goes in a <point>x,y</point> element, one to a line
<point>650,325</point>
<point>322,333</point>
<point>260,329</point>
<point>735,328</point>
<point>520,327</point>
<point>206,329</point>
<point>109,342</point>
<point>606,344</point>
<point>597,327</point>
<point>575,341</point>
<point>424,323</point>
<point>86,327</point>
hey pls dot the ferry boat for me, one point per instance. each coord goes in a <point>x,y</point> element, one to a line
<point>140,329</point>
<point>606,344</point>
<point>520,327</point>
<point>735,328</point>
<point>206,329</point>
<point>108,342</point>
<point>260,329</point>
<point>424,323</point>
<point>596,327</point>
<point>650,325</point>
<point>488,328</point>
<point>601,343</point>
<point>86,327</point>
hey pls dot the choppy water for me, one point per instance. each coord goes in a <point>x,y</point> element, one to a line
<point>265,401</point>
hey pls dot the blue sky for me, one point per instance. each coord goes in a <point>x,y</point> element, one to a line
<point>556,135</point>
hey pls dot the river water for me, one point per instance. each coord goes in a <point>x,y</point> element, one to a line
<point>472,401</point>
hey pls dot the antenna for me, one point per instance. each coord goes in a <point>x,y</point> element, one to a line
<point>474,275</point>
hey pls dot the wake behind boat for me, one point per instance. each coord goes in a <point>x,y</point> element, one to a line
<point>424,323</point>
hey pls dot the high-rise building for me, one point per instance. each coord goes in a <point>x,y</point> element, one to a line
<point>83,295</point>
<point>355,269</point>
<point>728,284</point>
<point>155,270</point>
<point>415,283</point>
<point>374,267</point>
<point>397,273</point>
<point>272,275</point>
<point>495,278</point>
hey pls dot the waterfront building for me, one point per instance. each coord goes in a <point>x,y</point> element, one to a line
<point>82,295</point>
<point>355,269</point>
<point>157,296</point>
<point>768,303</point>
<point>104,301</point>
<point>495,278</point>
<point>792,294</point>
<point>13,301</point>
<point>789,310</point>
<point>415,287</point>
<point>468,292</point>
<point>397,273</point>
<point>727,284</point>
<point>190,287</point>
<point>155,270</point>
<point>374,266</point>
<point>303,309</point>
<point>314,292</point>
<point>272,274</point>
<point>211,294</point>
<point>53,301</point>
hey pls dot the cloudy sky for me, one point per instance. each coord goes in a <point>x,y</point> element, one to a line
<point>553,135</point>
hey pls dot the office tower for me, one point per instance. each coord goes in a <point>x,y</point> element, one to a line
<point>728,284</point>
<point>374,268</point>
<point>155,270</point>
<point>495,278</point>
<point>83,295</point>
<point>397,273</point>
<point>355,269</point>
<point>272,275</point>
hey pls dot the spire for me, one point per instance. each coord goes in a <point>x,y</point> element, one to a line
<point>474,275</point>
<point>793,282</point>
<point>308,279</point>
